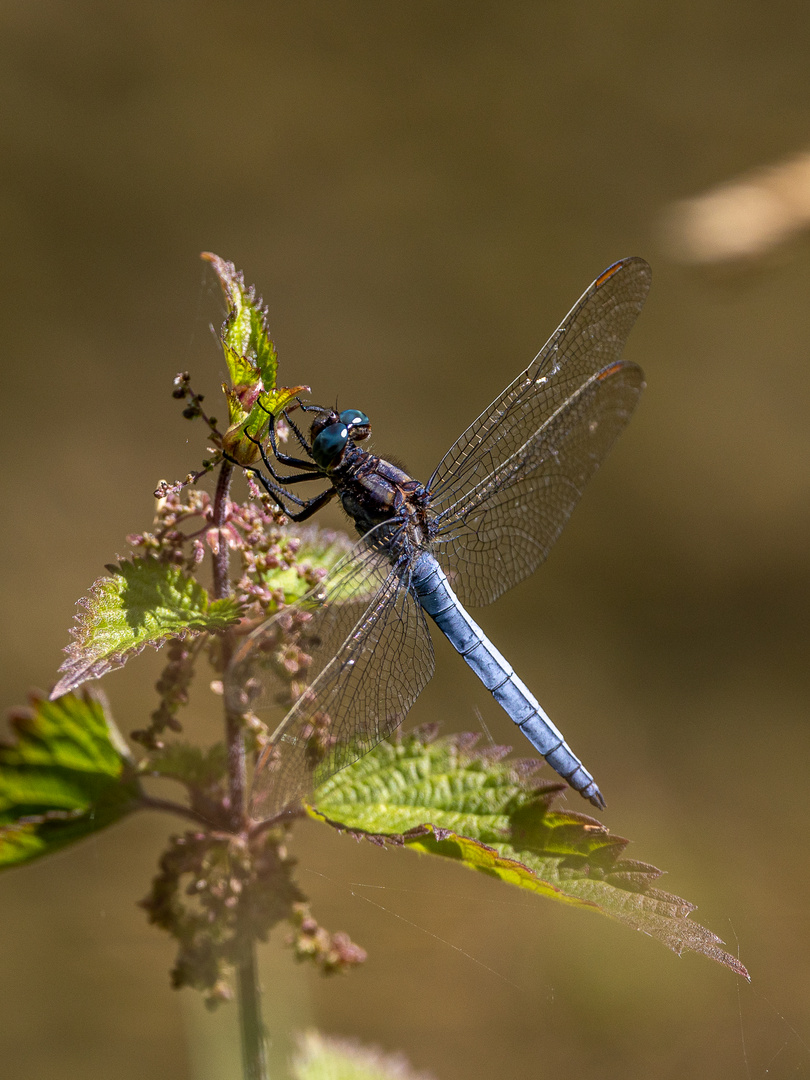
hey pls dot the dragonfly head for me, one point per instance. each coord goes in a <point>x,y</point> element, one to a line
<point>331,432</point>
<point>358,424</point>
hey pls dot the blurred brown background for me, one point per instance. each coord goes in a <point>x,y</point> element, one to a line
<point>420,192</point>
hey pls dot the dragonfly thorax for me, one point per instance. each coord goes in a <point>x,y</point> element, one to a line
<point>374,491</point>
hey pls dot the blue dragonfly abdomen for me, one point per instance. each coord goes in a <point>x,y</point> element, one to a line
<point>437,598</point>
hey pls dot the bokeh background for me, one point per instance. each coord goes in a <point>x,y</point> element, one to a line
<point>421,191</point>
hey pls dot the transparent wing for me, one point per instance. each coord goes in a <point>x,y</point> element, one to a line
<point>361,642</point>
<point>503,492</point>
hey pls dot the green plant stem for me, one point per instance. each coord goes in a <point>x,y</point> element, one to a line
<point>254,1058</point>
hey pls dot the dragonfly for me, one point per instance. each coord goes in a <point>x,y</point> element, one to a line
<point>485,520</point>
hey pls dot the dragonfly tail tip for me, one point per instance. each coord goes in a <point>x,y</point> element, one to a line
<point>597,800</point>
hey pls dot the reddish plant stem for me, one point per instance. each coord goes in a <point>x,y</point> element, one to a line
<point>254,1058</point>
<point>222,586</point>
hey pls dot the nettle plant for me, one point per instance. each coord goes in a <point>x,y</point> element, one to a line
<point>207,573</point>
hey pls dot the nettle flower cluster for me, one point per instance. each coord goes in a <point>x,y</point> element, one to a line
<point>275,564</point>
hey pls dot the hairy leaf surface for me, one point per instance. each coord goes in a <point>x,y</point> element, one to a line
<point>67,774</point>
<point>142,602</point>
<point>445,797</point>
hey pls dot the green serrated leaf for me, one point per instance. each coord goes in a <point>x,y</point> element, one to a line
<point>143,602</point>
<point>245,335</point>
<point>278,399</point>
<point>67,775</point>
<point>320,1057</point>
<point>447,798</point>
<point>252,365</point>
<point>249,411</point>
<point>242,369</point>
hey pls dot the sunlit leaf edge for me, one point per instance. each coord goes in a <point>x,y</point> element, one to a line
<point>581,863</point>
<point>66,774</point>
<point>165,603</point>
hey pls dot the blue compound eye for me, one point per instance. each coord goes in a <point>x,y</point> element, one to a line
<point>358,424</point>
<point>329,444</point>
<point>354,418</point>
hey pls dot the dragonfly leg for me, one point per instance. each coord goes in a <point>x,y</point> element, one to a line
<point>277,494</point>
<point>297,478</point>
<point>288,459</point>
<point>307,448</point>
<point>285,459</point>
<point>308,506</point>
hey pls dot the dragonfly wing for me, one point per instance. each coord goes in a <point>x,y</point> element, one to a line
<point>367,653</point>
<point>505,489</point>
